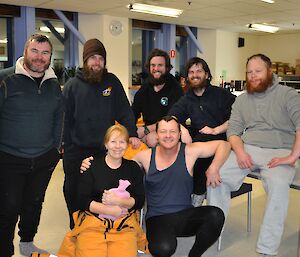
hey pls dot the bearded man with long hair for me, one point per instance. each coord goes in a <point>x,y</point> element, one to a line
<point>208,107</point>
<point>156,96</point>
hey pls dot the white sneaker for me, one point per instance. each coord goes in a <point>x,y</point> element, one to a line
<point>197,200</point>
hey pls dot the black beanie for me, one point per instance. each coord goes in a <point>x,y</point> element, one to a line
<point>91,47</point>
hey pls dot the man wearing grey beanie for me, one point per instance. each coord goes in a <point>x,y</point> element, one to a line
<point>94,101</point>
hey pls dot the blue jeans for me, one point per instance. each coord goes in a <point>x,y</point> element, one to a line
<point>23,183</point>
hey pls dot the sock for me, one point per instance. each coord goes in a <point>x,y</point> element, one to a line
<point>26,248</point>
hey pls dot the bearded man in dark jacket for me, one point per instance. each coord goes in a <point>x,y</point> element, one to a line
<point>156,96</point>
<point>94,100</point>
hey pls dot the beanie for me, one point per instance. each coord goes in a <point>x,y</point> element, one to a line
<point>91,47</point>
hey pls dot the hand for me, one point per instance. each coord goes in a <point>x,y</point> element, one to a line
<point>287,160</point>
<point>110,198</point>
<point>208,130</point>
<point>135,142</point>
<point>86,163</point>
<point>213,177</point>
<point>244,160</point>
<point>185,136</point>
<point>117,211</point>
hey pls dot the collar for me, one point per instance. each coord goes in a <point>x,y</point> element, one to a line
<point>49,73</point>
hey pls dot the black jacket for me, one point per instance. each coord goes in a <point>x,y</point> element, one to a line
<point>154,105</point>
<point>92,109</point>
<point>211,109</point>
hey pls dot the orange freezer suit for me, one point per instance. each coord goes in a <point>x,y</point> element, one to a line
<point>99,237</point>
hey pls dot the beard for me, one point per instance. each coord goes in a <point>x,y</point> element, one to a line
<point>261,86</point>
<point>93,76</point>
<point>160,81</point>
<point>30,64</point>
<point>202,84</point>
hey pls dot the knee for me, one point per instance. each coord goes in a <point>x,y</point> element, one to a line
<point>162,249</point>
<point>9,213</point>
<point>217,218</point>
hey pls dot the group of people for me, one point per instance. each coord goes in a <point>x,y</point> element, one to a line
<point>186,161</point>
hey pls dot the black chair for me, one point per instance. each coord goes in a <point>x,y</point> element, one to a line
<point>245,188</point>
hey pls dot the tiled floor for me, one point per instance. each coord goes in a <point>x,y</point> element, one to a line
<point>236,241</point>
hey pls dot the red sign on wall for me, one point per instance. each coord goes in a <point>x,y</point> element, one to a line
<point>172,54</point>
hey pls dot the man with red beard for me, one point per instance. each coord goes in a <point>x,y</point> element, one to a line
<point>208,107</point>
<point>264,134</point>
<point>94,100</point>
<point>156,96</point>
<point>31,117</point>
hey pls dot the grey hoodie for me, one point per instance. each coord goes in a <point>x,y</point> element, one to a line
<point>267,119</point>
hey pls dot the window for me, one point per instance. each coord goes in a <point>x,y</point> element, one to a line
<point>3,43</point>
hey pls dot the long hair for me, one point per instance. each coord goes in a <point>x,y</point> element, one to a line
<point>158,52</point>
<point>197,60</point>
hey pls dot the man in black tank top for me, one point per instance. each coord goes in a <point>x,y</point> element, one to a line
<point>168,187</point>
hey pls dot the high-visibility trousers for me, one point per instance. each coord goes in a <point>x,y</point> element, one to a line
<point>93,236</point>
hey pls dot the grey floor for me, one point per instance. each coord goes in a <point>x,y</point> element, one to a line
<point>236,242</point>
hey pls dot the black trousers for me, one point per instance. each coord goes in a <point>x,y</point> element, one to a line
<point>202,164</point>
<point>23,183</point>
<point>205,222</point>
<point>72,159</point>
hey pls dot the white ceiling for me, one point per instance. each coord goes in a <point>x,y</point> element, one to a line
<point>230,15</point>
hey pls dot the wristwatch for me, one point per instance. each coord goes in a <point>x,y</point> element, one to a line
<point>146,130</point>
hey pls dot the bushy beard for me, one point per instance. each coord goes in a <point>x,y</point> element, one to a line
<point>202,84</point>
<point>160,81</point>
<point>92,76</point>
<point>261,87</point>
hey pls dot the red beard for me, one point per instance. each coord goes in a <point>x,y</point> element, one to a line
<point>261,87</point>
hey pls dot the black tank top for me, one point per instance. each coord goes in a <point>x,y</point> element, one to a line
<point>168,190</point>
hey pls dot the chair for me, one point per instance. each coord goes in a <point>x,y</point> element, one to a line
<point>245,188</point>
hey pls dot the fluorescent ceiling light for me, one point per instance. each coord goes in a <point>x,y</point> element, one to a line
<point>263,27</point>
<point>46,29</point>
<point>156,10</point>
<point>268,1</point>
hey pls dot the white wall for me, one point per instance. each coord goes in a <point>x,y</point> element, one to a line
<point>207,39</point>
<point>90,26</point>
<point>281,47</point>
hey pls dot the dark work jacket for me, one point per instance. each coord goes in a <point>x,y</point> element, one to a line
<point>154,105</point>
<point>31,115</point>
<point>211,109</point>
<point>91,109</point>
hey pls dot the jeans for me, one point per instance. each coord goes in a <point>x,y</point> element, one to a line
<point>205,222</point>
<point>23,183</point>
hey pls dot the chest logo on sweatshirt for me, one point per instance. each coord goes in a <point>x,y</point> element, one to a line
<point>164,101</point>
<point>107,91</point>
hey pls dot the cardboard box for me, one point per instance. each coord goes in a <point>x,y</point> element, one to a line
<point>297,70</point>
